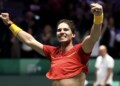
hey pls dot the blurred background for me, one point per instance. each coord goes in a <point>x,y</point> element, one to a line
<point>21,66</point>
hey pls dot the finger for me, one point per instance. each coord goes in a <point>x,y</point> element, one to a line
<point>94,9</point>
<point>4,14</point>
<point>0,16</point>
<point>93,4</point>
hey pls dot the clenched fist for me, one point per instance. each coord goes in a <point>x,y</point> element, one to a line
<point>96,9</point>
<point>5,18</point>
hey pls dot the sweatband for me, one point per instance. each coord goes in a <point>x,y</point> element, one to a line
<point>98,19</point>
<point>15,29</point>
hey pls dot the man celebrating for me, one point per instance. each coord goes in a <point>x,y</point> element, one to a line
<point>69,63</point>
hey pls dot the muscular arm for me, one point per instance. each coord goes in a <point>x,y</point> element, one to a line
<point>22,35</point>
<point>90,40</point>
<point>29,40</point>
<point>95,33</point>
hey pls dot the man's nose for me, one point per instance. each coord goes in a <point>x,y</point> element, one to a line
<point>62,31</point>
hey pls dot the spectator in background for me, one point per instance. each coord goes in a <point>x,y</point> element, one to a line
<point>117,46</point>
<point>4,35</point>
<point>15,48</point>
<point>15,45</point>
<point>2,9</point>
<point>104,68</point>
<point>28,21</point>
<point>109,37</point>
<point>46,35</point>
<point>35,7</point>
<point>27,51</point>
<point>95,51</point>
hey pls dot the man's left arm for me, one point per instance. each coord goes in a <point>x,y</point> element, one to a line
<point>109,72</point>
<point>89,41</point>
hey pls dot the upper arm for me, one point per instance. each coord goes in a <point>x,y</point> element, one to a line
<point>110,70</point>
<point>89,41</point>
<point>31,41</point>
<point>37,46</point>
<point>87,44</point>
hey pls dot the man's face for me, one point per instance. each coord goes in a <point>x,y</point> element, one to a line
<point>102,51</point>
<point>64,33</point>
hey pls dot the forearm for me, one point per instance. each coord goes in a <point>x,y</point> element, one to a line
<point>25,37</point>
<point>21,34</point>
<point>108,75</point>
<point>95,32</point>
<point>96,28</point>
<point>89,41</point>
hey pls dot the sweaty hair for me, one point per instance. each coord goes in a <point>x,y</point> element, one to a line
<point>70,24</point>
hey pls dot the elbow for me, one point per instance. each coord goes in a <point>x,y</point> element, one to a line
<point>29,40</point>
<point>94,39</point>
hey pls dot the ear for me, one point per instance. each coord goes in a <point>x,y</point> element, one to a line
<point>73,35</point>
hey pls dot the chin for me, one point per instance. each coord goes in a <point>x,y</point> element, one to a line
<point>64,41</point>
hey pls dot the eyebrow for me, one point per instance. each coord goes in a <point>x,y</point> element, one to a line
<point>63,28</point>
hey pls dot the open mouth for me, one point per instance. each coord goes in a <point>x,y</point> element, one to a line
<point>63,36</point>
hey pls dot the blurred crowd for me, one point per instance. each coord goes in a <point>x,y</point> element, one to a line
<point>40,17</point>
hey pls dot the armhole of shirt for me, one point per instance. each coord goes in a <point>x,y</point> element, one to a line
<point>81,49</point>
<point>47,51</point>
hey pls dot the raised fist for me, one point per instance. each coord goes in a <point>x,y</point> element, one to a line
<point>96,9</point>
<point>5,18</point>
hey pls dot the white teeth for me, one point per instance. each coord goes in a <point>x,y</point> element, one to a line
<point>65,35</point>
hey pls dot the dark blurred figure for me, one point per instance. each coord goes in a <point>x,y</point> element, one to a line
<point>83,15</point>
<point>118,43</point>
<point>109,37</point>
<point>15,45</point>
<point>28,22</point>
<point>46,35</point>
<point>4,35</point>
<point>27,51</point>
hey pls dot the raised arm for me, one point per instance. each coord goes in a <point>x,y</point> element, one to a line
<point>22,35</point>
<point>95,33</point>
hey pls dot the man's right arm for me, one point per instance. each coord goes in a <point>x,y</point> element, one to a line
<point>31,41</point>
<point>22,35</point>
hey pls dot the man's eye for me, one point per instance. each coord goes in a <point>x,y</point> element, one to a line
<point>66,29</point>
<point>58,30</point>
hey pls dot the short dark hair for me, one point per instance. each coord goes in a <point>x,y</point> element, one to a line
<point>70,24</point>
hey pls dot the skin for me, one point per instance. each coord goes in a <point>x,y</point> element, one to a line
<point>65,36</point>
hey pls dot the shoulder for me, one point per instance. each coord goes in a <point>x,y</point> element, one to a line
<point>49,47</point>
<point>99,58</point>
<point>109,58</point>
<point>77,45</point>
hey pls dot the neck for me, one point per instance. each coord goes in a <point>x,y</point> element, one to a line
<point>66,46</point>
